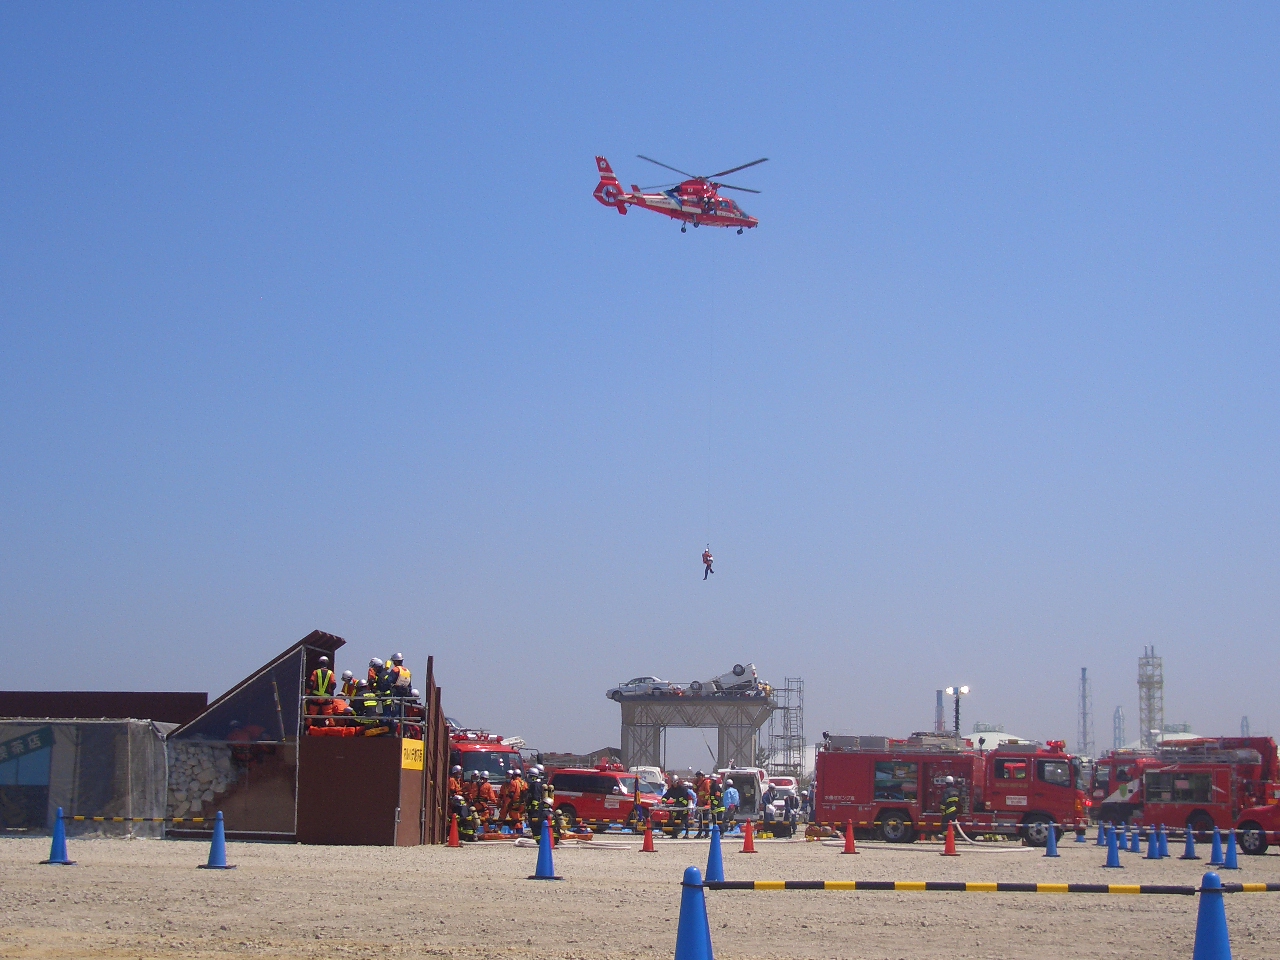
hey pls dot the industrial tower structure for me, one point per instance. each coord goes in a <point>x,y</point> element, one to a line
<point>1084,734</point>
<point>1150,697</point>
<point>786,731</point>
<point>940,716</point>
<point>1117,729</point>
<point>1244,726</point>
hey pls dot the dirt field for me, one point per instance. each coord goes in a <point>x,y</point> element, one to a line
<point>145,899</point>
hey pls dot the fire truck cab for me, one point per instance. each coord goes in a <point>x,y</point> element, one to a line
<point>478,751</point>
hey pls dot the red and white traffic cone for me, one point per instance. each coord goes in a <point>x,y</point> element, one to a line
<point>453,832</point>
<point>647,846</point>
<point>849,846</point>
<point>949,848</point>
<point>748,838</point>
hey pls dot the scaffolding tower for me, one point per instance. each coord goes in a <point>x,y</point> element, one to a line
<point>1150,697</point>
<point>1117,729</point>
<point>786,731</point>
<point>1084,733</point>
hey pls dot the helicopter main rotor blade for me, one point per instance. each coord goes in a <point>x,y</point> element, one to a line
<point>729,186</point>
<point>691,176</point>
<point>725,173</point>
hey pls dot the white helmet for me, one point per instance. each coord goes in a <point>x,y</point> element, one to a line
<point>376,663</point>
<point>951,780</point>
<point>397,658</point>
<point>346,674</point>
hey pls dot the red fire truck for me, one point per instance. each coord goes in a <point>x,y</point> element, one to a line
<point>893,789</point>
<point>1198,784</point>
<point>478,751</point>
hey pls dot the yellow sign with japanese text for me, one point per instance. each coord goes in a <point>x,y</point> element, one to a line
<point>411,754</point>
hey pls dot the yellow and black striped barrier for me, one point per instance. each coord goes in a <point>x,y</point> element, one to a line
<point>970,886</point>
<point>140,819</point>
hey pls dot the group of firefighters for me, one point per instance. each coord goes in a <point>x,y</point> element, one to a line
<point>480,808</point>
<point>377,702</point>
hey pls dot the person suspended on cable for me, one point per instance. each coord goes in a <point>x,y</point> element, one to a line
<point>707,560</point>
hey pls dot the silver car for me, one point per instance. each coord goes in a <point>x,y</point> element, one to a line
<point>642,687</point>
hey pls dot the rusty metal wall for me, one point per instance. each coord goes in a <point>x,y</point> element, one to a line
<point>349,789</point>
<point>435,734</point>
<point>102,704</point>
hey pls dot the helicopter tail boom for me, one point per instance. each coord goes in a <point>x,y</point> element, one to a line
<point>609,191</point>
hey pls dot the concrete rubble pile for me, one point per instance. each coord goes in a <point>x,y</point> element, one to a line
<point>198,773</point>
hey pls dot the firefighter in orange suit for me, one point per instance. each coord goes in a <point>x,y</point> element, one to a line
<point>487,799</point>
<point>512,798</point>
<point>320,690</point>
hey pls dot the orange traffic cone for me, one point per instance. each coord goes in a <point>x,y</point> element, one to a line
<point>849,846</point>
<point>647,846</point>
<point>949,848</point>
<point>453,832</point>
<point>748,838</point>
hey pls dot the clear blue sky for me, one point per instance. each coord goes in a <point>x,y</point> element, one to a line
<point>309,319</point>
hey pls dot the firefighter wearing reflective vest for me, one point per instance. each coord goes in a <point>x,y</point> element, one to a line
<point>455,781</point>
<point>375,673</point>
<point>950,802</point>
<point>541,801</point>
<point>320,690</point>
<point>366,709</point>
<point>466,819</point>
<point>399,680</point>
<point>348,685</point>
<point>702,787</point>
<point>716,798</point>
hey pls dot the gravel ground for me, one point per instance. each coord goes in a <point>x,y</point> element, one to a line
<point>145,899</point>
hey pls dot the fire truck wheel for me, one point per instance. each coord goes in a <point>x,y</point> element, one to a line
<point>895,827</point>
<point>1253,839</point>
<point>1035,829</point>
<point>1201,826</point>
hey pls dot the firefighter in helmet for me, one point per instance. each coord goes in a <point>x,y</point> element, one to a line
<point>950,802</point>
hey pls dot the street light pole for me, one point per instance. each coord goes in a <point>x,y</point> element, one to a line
<point>956,692</point>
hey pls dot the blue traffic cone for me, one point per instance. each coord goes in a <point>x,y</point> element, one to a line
<point>1164,842</point>
<point>1231,862</point>
<point>693,935</point>
<point>715,859</point>
<point>1189,852</point>
<point>1102,835</point>
<point>218,848</point>
<point>546,868</point>
<point>1215,858</point>
<point>1113,849</point>
<point>1135,841</point>
<point>1051,841</point>
<point>1153,846</point>
<point>1212,941</point>
<point>58,849</point>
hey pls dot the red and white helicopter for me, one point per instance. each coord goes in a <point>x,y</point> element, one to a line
<point>695,200</point>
